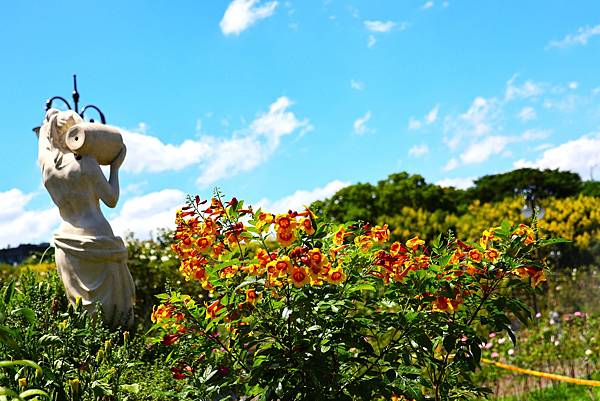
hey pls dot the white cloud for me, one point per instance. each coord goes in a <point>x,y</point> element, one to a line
<point>583,35</point>
<point>430,118</point>
<point>579,155</point>
<point>242,153</point>
<point>527,114</point>
<point>418,150</point>
<point>526,90</point>
<point>481,150</point>
<point>371,41</point>
<point>428,5</point>
<point>535,134</point>
<point>566,104</point>
<point>414,124</point>
<point>357,85</point>
<point>219,157</point>
<point>20,225</point>
<point>477,121</point>
<point>451,164</point>
<point>573,85</point>
<point>241,14</point>
<point>478,152</point>
<point>459,183</point>
<point>146,153</point>
<point>360,124</point>
<point>143,215</point>
<point>380,26</point>
<point>302,198</point>
<point>543,146</point>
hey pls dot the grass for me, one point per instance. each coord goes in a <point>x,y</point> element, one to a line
<point>562,392</point>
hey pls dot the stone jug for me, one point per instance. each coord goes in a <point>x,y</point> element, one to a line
<point>100,141</point>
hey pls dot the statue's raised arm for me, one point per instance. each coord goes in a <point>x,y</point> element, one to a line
<point>90,259</point>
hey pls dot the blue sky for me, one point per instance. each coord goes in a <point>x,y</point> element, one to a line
<point>284,102</point>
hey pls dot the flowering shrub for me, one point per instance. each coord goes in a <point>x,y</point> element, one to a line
<point>297,308</point>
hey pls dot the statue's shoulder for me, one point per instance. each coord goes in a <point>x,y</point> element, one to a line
<point>88,164</point>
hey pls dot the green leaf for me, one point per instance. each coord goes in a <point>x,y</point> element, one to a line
<point>6,337</point>
<point>22,362</point>
<point>553,241</point>
<point>130,388</point>
<point>361,287</point>
<point>27,313</point>
<point>10,393</point>
<point>8,292</point>
<point>449,343</point>
<point>32,392</point>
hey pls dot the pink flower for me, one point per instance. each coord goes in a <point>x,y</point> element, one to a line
<point>538,315</point>
<point>578,314</point>
<point>492,335</point>
<point>495,355</point>
<point>488,346</point>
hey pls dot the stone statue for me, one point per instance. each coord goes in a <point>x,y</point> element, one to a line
<point>91,260</point>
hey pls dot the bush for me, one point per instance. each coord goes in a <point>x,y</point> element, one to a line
<point>336,312</point>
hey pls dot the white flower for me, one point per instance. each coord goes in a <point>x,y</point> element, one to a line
<point>501,340</point>
<point>588,352</point>
<point>511,352</point>
<point>164,258</point>
<point>153,257</point>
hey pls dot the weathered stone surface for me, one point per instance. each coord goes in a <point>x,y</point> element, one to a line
<point>91,260</point>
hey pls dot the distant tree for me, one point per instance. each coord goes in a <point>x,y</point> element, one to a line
<point>403,189</point>
<point>355,202</point>
<point>368,202</point>
<point>590,188</point>
<point>542,183</point>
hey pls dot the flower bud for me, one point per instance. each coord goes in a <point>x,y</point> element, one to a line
<point>22,382</point>
<point>74,385</point>
<point>100,355</point>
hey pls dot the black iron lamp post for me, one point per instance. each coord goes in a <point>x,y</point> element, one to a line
<point>531,210</point>
<point>75,96</point>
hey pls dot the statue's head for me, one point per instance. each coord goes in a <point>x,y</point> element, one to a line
<point>57,123</point>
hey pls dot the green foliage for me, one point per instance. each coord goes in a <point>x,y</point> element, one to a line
<point>71,356</point>
<point>590,188</point>
<point>411,206</point>
<point>153,266</point>
<point>368,202</point>
<point>542,183</point>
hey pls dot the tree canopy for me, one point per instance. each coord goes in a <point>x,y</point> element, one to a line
<point>368,202</point>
